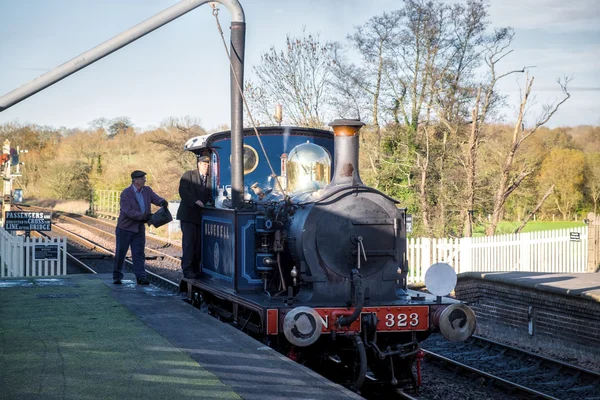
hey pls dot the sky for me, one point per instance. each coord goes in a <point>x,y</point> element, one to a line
<point>181,69</point>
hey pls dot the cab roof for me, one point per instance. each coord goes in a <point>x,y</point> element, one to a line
<point>206,141</point>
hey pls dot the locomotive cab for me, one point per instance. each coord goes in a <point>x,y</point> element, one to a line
<point>295,160</point>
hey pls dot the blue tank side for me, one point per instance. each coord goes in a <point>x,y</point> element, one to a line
<point>247,277</point>
<point>218,246</point>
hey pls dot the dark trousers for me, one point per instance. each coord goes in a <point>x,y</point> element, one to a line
<point>191,243</point>
<point>137,241</point>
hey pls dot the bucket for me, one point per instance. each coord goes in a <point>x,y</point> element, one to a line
<point>161,217</point>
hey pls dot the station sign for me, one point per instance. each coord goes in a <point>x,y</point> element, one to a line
<point>575,236</point>
<point>409,223</point>
<point>27,221</point>
<point>45,252</point>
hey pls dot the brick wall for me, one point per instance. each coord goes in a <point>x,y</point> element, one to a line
<point>554,316</point>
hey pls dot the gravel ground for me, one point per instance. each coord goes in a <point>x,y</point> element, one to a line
<point>587,358</point>
<point>442,384</point>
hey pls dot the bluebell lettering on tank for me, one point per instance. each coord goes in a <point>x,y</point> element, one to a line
<point>217,248</point>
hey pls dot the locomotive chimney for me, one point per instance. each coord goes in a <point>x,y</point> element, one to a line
<point>346,152</point>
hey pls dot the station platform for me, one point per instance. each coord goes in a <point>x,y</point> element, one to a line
<point>560,311</point>
<point>582,285</point>
<point>81,337</point>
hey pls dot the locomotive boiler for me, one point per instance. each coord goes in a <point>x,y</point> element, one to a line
<point>314,262</point>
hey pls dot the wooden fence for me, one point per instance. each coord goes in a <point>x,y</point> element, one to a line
<point>556,251</point>
<point>32,256</point>
<point>593,221</point>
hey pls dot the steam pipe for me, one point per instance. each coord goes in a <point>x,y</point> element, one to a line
<point>360,300</point>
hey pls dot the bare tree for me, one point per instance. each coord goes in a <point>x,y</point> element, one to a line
<point>297,78</point>
<point>172,136</point>
<point>497,49</point>
<point>509,178</point>
<point>413,52</point>
<point>361,87</point>
<point>372,40</point>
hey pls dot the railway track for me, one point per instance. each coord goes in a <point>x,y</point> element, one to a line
<point>95,239</point>
<point>107,229</point>
<point>520,373</point>
<point>495,370</point>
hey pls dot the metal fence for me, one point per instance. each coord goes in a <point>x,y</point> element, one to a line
<point>32,256</point>
<point>105,202</point>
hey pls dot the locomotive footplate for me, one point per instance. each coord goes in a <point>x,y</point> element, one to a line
<point>389,319</point>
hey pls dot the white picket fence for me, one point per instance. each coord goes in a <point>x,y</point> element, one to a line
<point>545,251</point>
<point>18,256</point>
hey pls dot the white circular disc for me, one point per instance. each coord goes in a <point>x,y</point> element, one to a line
<point>440,279</point>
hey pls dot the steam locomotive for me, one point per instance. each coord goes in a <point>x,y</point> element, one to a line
<point>313,261</point>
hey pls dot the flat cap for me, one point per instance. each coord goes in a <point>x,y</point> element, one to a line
<point>137,174</point>
<point>203,159</point>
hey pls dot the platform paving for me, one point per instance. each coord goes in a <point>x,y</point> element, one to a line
<point>583,285</point>
<point>81,337</point>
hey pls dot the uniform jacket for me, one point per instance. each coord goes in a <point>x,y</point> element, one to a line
<point>131,217</point>
<point>190,190</point>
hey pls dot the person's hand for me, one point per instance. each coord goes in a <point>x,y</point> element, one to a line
<point>146,217</point>
<point>199,203</point>
<point>164,203</point>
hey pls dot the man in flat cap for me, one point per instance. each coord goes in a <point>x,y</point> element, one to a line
<point>195,191</point>
<point>135,211</point>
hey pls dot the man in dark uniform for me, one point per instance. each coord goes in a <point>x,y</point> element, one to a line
<point>135,211</point>
<point>195,192</point>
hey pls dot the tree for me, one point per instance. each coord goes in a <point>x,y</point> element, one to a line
<point>564,168</point>
<point>436,55</point>
<point>100,123</point>
<point>496,49</point>
<point>592,178</point>
<point>172,136</point>
<point>67,180</point>
<point>297,78</point>
<point>365,83</point>
<point>509,178</point>
<point>361,87</point>
<point>118,126</point>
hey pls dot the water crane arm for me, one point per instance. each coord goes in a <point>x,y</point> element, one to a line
<point>238,37</point>
<point>110,46</point>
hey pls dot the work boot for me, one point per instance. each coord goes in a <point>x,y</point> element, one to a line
<point>143,282</point>
<point>190,275</point>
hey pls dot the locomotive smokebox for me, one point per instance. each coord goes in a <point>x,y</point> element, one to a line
<point>346,133</point>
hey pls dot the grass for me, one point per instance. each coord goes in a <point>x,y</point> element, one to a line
<point>505,227</point>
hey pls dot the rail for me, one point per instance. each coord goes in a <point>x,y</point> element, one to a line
<point>519,371</point>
